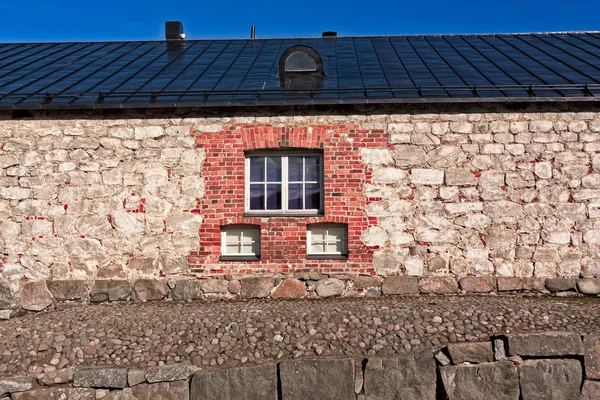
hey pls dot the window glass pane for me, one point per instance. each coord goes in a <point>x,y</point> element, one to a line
<point>295,169</point>
<point>335,247</point>
<point>317,248</point>
<point>232,249</point>
<point>274,197</point>
<point>249,236</point>
<point>274,169</point>
<point>249,248</point>
<point>295,196</point>
<point>317,235</point>
<point>257,169</point>
<point>312,167</point>
<point>232,235</point>
<point>300,61</point>
<point>257,197</point>
<point>312,196</point>
<point>335,234</point>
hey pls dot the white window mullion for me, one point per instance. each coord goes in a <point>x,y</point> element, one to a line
<point>284,183</point>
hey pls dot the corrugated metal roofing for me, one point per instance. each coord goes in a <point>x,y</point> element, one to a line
<point>397,69</point>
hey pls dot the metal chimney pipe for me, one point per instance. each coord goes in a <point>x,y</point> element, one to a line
<point>252,32</point>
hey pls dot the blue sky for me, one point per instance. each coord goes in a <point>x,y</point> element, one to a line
<point>89,20</point>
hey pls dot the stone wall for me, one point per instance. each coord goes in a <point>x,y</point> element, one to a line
<point>557,365</point>
<point>433,192</point>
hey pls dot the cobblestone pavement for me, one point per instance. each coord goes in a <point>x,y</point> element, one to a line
<point>235,332</point>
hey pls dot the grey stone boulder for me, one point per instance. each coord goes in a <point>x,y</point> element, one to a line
<point>498,381</point>
<point>240,383</point>
<point>169,373</point>
<point>111,290</point>
<point>560,284</point>
<point>256,288</point>
<point>317,379</point>
<point>187,290</point>
<point>550,379</point>
<point>329,287</point>
<point>550,344</point>
<point>408,377</point>
<point>13,385</point>
<point>57,394</point>
<point>6,296</point>
<point>101,377</point>
<point>149,290</point>
<point>67,290</point>
<point>35,296</point>
<point>135,376</point>
<point>400,285</point>
<point>588,286</point>
<point>472,352</point>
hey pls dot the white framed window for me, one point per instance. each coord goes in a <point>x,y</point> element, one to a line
<point>327,240</point>
<point>284,183</point>
<point>240,241</point>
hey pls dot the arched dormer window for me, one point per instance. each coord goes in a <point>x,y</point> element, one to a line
<point>300,67</point>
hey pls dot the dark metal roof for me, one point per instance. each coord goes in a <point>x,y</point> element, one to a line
<point>396,69</point>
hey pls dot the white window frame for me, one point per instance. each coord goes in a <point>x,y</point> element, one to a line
<point>284,183</point>
<point>326,227</point>
<point>227,229</point>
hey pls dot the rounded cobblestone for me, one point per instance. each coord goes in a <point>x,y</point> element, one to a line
<point>211,334</point>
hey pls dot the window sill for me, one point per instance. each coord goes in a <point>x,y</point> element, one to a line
<point>326,257</point>
<point>281,215</point>
<point>239,258</point>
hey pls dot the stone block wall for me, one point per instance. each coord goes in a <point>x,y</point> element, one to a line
<point>552,365</point>
<point>442,192</point>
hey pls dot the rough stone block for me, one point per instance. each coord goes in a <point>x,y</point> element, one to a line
<point>67,290</point>
<point>214,286</point>
<point>588,286</point>
<point>148,290</point>
<point>243,383</point>
<point>329,287</point>
<point>256,287</point>
<point>420,176</point>
<point>135,376</point>
<point>6,296</point>
<point>534,284</point>
<point>590,391</point>
<point>400,285</point>
<point>478,284</point>
<point>169,373</point>
<point>409,376</point>
<point>13,385</point>
<point>365,282</point>
<point>560,284</point>
<point>317,379</point>
<point>591,352</point>
<point>506,284</point>
<point>101,377</point>
<point>438,285</point>
<point>57,394</point>
<point>550,379</point>
<point>112,290</point>
<point>64,375</point>
<point>187,290</point>
<point>550,344</point>
<point>290,289</point>
<point>473,352</point>
<point>498,381</point>
<point>34,296</point>
<point>179,390</point>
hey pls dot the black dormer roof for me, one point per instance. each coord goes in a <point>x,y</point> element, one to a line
<point>386,69</point>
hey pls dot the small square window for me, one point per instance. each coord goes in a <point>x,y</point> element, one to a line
<point>240,242</point>
<point>284,183</point>
<point>327,241</point>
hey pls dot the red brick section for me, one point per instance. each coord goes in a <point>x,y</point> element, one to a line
<point>283,239</point>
